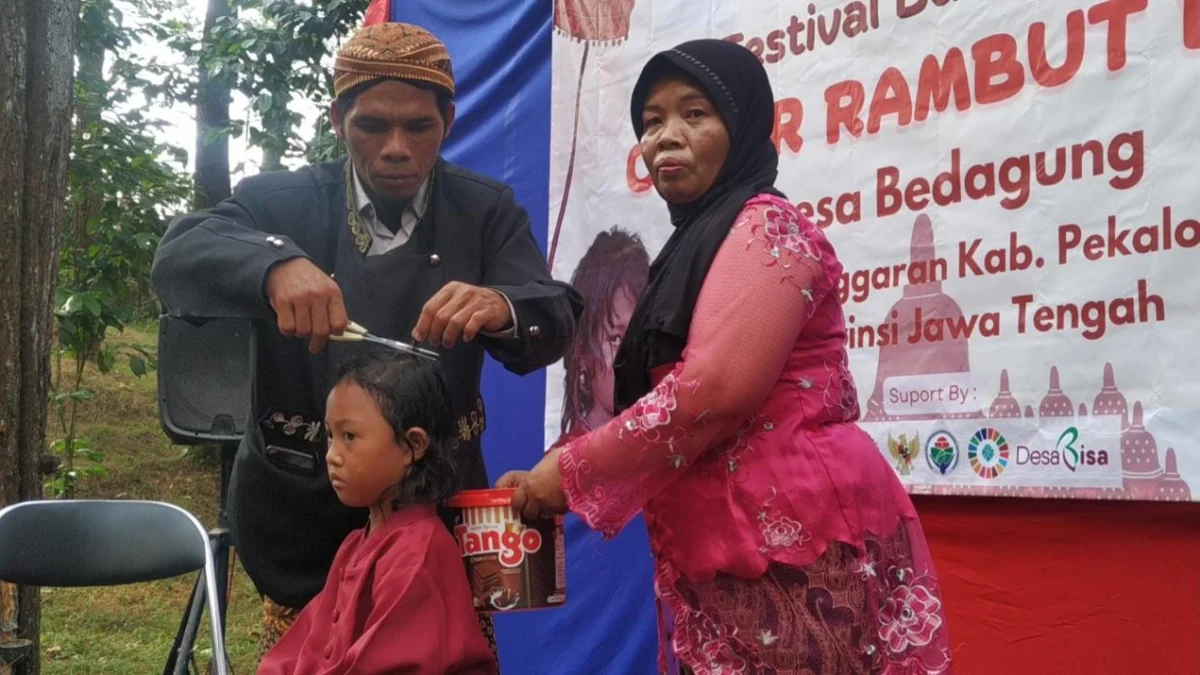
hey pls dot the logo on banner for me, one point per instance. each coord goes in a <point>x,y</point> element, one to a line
<point>905,451</point>
<point>988,453</point>
<point>511,543</point>
<point>941,452</point>
<point>1064,454</point>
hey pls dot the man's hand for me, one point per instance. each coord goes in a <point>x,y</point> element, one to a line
<point>461,311</point>
<point>307,302</point>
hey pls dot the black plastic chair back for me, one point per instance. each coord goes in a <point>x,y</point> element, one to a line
<point>108,543</point>
<point>98,543</point>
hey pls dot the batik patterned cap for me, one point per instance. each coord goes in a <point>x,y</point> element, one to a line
<point>393,51</point>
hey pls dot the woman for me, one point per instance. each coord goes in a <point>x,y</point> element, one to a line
<point>783,540</point>
<point>610,277</point>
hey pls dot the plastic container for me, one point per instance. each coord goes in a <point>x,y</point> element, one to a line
<point>513,564</point>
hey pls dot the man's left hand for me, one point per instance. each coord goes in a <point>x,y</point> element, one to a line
<point>462,311</point>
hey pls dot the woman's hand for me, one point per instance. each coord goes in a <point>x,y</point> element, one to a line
<point>539,492</point>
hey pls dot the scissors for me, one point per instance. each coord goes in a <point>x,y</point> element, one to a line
<point>356,333</point>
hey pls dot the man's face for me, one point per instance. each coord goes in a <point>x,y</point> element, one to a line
<point>394,133</point>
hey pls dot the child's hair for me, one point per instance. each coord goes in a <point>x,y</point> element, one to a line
<point>616,261</point>
<point>411,392</point>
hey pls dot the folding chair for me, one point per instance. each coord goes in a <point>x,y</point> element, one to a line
<point>109,543</point>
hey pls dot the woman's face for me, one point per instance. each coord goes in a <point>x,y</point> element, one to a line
<point>684,142</point>
<point>614,329</point>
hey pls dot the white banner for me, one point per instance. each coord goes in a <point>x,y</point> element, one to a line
<point>1012,189</point>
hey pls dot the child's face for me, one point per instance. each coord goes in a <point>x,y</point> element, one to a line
<point>614,330</point>
<point>364,458</point>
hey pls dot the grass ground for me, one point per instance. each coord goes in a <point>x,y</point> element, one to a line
<point>129,629</point>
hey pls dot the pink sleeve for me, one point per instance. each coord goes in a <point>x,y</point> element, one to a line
<point>761,290</point>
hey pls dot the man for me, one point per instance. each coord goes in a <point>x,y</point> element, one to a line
<point>395,239</point>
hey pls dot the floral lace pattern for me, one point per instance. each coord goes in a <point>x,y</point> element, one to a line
<point>779,531</point>
<point>909,617</point>
<point>654,409</point>
<point>781,230</point>
<point>840,395</point>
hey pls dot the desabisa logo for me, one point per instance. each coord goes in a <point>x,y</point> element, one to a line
<point>1068,453</point>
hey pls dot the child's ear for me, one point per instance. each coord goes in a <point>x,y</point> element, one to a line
<point>418,441</point>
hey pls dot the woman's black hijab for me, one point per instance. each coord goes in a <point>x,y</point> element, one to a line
<point>738,86</point>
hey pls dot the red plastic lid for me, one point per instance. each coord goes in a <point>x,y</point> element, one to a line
<point>476,498</point>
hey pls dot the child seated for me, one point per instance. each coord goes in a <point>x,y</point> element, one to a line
<point>397,598</point>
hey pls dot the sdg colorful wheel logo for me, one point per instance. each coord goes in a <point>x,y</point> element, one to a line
<point>987,453</point>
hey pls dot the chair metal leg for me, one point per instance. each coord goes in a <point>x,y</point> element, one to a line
<point>221,542</point>
<point>220,539</point>
<point>187,643</point>
<point>221,535</point>
<point>186,624</point>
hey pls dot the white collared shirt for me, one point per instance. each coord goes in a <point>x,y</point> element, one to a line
<point>383,240</point>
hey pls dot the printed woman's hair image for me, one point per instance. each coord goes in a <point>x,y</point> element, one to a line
<point>610,277</point>
<point>411,392</point>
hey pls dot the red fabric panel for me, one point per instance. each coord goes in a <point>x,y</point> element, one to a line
<point>1062,586</point>
<point>379,11</point>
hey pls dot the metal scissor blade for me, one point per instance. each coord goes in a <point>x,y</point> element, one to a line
<point>403,347</point>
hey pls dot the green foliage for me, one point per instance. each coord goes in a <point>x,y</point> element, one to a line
<point>278,51</point>
<point>121,185</point>
<point>324,145</point>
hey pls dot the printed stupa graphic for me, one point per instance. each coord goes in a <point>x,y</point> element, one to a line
<point>1005,406</point>
<point>1171,487</point>
<point>1142,475</point>
<point>1139,459</point>
<point>1110,402</point>
<point>1056,405</point>
<point>901,358</point>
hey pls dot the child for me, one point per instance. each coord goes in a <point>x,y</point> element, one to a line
<point>397,598</point>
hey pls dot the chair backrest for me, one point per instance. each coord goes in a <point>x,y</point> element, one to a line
<point>109,543</point>
<point>98,543</point>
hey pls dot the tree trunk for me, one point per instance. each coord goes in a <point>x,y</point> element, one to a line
<point>37,60</point>
<point>277,127</point>
<point>212,113</point>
